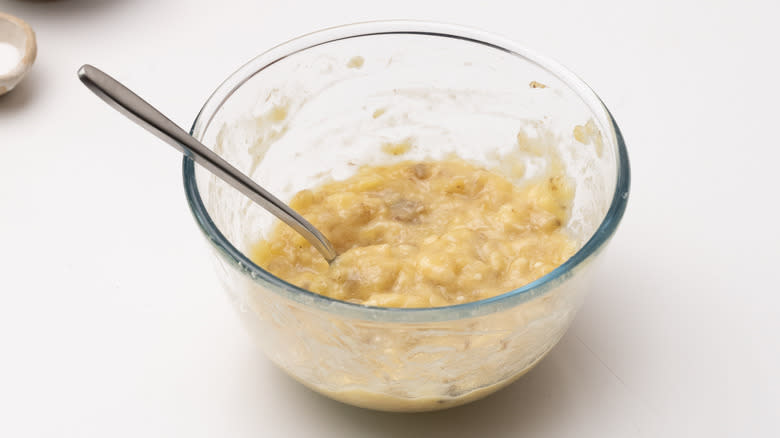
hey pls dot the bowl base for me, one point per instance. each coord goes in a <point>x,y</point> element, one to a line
<point>392,403</point>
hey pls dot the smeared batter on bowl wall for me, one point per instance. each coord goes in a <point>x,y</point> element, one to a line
<point>424,234</point>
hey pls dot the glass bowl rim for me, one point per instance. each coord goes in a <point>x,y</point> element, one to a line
<point>405,315</point>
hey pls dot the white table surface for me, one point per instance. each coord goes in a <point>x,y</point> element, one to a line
<point>112,323</point>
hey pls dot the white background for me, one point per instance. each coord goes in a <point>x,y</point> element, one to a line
<point>112,323</point>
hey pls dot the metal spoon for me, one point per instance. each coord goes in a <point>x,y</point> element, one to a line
<point>138,110</point>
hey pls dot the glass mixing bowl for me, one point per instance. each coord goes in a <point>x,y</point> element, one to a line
<point>317,107</point>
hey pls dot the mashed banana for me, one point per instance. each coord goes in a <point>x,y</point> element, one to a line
<point>424,234</point>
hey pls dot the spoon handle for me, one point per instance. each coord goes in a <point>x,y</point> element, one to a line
<point>138,110</point>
